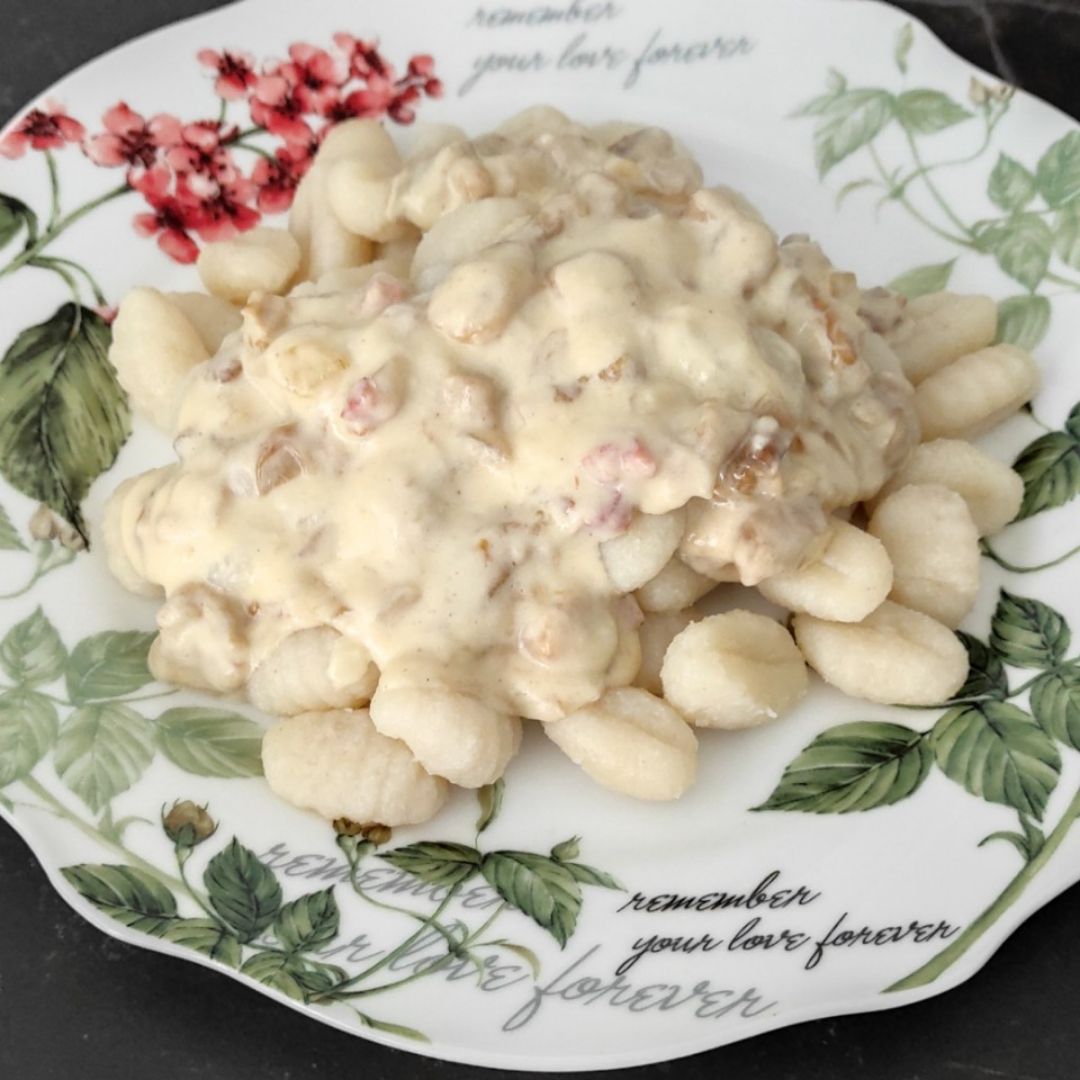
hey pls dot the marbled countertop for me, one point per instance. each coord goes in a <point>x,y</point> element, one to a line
<point>92,1008</point>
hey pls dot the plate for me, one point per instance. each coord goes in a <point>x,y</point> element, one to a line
<point>544,924</point>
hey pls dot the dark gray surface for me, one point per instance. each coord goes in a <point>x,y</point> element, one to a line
<point>76,1004</point>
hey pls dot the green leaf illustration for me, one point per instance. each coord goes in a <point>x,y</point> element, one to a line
<point>1021,245</point>
<point>243,890</point>
<point>207,937</point>
<point>314,976</point>
<point>835,85</point>
<point>568,850</point>
<point>923,279</point>
<point>1027,633</point>
<point>538,887</point>
<point>1072,422</point>
<point>928,111</point>
<point>996,751</point>
<point>1057,175</point>
<point>1023,320</point>
<point>986,674</point>
<point>589,875</point>
<point>63,416</point>
<point>1055,704</point>
<point>400,1030</point>
<point>9,535</point>
<point>28,727</point>
<point>102,750</point>
<point>1050,469</point>
<point>308,922</point>
<point>31,652</point>
<point>905,38</point>
<point>490,798</point>
<point>436,862</point>
<point>210,742</point>
<point>1010,186</point>
<point>857,766</point>
<point>108,665</point>
<point>1067,234</point>
<point>14,215</point>
<point>273,970</point>
<point>125,893</point>
<point>851,187</point>
<point>850,120</point>
<point>523,953</point>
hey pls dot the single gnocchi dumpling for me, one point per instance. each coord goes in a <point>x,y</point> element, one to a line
<point>632,742</point>
<point>213,318</point>
<point>975,393</point>
<point>734,670</point>
<point>259,260</point>
<point>895,656</point>
<point>845,582</point>
<point>674,588</point>
<point>993,492</point>
<point>655,634</point>
<point>154,346</point>
<point>934,547</point>
<point>311,670</point>
<point>452,735</point>
<point>939,328</point>
<point>338,765</point>
<point>637,555</point>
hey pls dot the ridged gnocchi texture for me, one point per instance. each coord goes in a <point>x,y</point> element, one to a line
<point>338,765</point>
<point>734,670</point>
<point>895,656</point>
<point>939,328</point>
<point>311,670</point>
<point>632,742</point>
<point>975,393</point>
<point>933,543</point>
<point>259,260</point>
<point>845,582</point>
<point>452,735</point>
<point>154,346</point>
<point>993,492</point>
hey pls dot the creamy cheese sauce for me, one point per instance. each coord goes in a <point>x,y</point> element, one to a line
<point>427,457</point>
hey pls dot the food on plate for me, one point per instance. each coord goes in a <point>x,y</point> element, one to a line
<point>472,441</point>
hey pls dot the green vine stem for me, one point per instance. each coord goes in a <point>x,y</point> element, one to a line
<point>49,558</point>
<point>1015,568</point>
<point>182,856</point>
<point>926,974</point>
<point>32,251</point>
<point>55,806</point>
<point>54,190</point>
<point>439,964</point>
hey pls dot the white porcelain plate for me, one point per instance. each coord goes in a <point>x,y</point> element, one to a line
<point>850,857</point>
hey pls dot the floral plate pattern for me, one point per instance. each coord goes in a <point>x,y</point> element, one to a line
<point>849,858</point>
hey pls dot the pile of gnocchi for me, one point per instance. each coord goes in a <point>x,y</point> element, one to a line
<point>502,430</point>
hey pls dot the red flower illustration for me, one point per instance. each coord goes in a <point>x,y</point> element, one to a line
<point>227,211</point>
<point>275,106</point>
<point>199,148</point>
<point>314,77</point>
<point>235,72</point>
<point>277,179</point>
<point>130,140</point>
<point>174,215</point>
<point>41,129</point>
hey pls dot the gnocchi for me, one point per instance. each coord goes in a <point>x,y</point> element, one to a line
<point>895,656</point>
<point>632,742</point>
<point>845,582</point>
<point>734,670</point>
<point>939,328</point>
<point>993,492</point>
<point>260,260</point>
<point>933,543</point>
<point>337,764</point>
<point>975,393</point>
